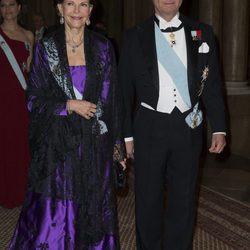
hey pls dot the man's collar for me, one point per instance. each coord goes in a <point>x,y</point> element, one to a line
<point>163,24</point>
<point>40,30</point>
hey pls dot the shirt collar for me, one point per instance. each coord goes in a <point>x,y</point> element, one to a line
<point>163,24</point>
<point>40,30</point>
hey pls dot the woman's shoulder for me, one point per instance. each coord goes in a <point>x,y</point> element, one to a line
<point>29,35</point>
<point>98,39</point>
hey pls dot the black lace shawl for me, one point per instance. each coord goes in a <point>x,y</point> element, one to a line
<point>57,142</point>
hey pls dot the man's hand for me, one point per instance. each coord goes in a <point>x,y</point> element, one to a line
<point>218,143</point>
<point>130,149</point>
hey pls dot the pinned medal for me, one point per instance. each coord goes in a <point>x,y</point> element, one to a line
<point>27,46</point>
<point>2,43</point>
<point>205,74</point>
<point>196,35</point>
<point>194,118</point>
<point>204,77</point>
<point>24,66</point>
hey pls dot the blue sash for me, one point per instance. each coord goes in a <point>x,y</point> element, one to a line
<point>173,65</point>
<point>13,62</point>
<point>178,72</point>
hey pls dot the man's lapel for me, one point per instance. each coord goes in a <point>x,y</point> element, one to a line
<point>192,56</point>
<point>147,41</point>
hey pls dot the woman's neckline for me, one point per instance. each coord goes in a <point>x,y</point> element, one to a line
<point>9,38</point>
<point>82,65</point>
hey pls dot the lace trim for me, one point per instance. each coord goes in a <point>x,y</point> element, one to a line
<point>119,152</point>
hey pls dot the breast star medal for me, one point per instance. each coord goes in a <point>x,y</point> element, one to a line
<point>204,77</point>
<point>205,73</point>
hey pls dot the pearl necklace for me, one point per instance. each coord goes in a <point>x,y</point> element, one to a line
<point>74,46</point>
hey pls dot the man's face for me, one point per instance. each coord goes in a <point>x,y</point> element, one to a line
<point>38,22</point>
<point>167,8</point>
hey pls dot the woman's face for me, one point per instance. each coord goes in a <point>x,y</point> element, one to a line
<point>75,12</point>
<point>9,9</point>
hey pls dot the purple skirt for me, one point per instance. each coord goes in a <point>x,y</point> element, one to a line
<point>40,227</point>
<point>48,224</point>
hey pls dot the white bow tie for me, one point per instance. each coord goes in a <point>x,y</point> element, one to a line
<point>175,22</point>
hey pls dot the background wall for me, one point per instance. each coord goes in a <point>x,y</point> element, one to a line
<point>231,23</point>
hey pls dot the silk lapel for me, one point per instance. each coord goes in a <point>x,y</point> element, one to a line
<point>147,41</point>
<point>192,57</point>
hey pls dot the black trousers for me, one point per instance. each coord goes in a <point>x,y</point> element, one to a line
<point>166,152</point>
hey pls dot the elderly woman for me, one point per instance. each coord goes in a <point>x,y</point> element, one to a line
<point>74,103</point>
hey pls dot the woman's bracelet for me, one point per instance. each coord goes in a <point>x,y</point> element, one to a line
<point>69,111</point>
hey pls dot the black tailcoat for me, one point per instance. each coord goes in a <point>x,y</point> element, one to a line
<point>166,148</point>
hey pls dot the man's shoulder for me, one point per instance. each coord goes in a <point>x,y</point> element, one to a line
<point>95,36</point>
<point>145,24</point>
<point>195,24</point>
<point>149,23</point>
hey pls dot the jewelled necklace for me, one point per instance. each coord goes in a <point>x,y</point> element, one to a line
<point>74,46</point>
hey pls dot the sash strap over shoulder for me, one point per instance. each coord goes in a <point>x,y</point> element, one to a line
<point>13,62</point>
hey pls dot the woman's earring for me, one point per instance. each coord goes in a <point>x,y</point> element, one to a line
<point>61,20</point>
<point>88,21</point>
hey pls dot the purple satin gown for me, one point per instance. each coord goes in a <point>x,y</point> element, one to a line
<point>39,227</point>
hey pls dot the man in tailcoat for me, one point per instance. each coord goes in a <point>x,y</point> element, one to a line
<point>169,71</point>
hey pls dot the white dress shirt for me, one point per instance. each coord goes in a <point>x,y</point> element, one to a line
<point>169,96</point>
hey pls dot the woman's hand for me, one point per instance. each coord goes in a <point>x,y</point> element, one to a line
<point>124,165</point>
<point>82,108</point>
